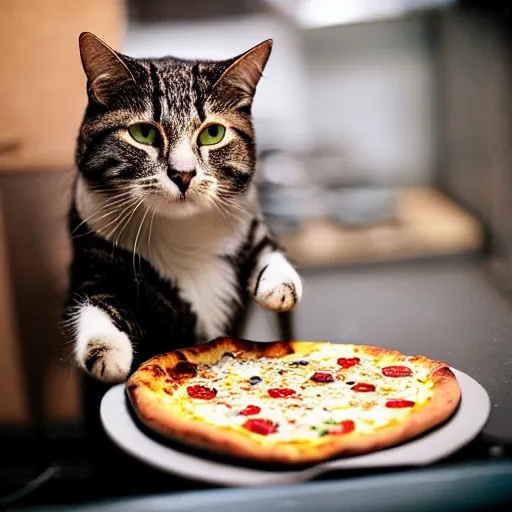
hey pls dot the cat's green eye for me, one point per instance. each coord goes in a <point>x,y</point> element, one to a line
<point>212,134</point>
<point>145,133</point>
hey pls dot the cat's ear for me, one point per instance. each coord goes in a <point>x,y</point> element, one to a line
<point>103,66</point>
<point>245,72</point>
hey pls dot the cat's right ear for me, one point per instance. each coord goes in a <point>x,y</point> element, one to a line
<point>103,66</point>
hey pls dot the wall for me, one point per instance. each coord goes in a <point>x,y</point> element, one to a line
<point>35,206</point>
<point>371,94</point>
<point>13,406</point>
<point>476,128</point>
<point>42,90</point>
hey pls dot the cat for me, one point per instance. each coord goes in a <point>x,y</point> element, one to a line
<point>168,239</point>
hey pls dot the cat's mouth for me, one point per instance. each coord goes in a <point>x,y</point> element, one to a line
<point>182,204</point>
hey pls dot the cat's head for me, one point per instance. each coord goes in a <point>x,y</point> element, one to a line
<point>175,135</point>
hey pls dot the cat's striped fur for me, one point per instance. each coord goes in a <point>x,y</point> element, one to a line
<point>157,268</point>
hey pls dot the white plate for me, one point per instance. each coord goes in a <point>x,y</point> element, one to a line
<point>462,428</point>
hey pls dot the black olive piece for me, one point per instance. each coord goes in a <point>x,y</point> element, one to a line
<point>186,368</point>
<point>300,362</point>
<point>254,380</point>
<point>350,383</point>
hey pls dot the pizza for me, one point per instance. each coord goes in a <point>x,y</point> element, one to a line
<point>291,402</point>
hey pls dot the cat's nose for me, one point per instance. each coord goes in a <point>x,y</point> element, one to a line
<point>181,178</point>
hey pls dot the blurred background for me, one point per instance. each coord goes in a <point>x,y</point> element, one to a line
<point>384,129</point>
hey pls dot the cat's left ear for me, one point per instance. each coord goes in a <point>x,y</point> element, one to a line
<point>245,72</point>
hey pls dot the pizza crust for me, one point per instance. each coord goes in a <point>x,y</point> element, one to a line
<point>154,411</point>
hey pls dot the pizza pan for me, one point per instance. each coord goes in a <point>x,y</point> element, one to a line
<point>459,430</point>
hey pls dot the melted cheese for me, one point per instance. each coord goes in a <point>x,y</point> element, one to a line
<point>315,407</point>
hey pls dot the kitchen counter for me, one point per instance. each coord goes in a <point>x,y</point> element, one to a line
<point>446,310</point>
<point>425,223</point>
<point>470,488</point>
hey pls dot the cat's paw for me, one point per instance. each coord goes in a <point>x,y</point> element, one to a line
<point>101,349</point>
<point>277,287</point>
<point>108,359</point>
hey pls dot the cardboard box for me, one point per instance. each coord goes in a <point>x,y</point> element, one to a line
<point>42,87</point>
<point>13,407</point>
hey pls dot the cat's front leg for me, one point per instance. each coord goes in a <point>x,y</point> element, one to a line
<point>275,284</point>
<point>101,349</point>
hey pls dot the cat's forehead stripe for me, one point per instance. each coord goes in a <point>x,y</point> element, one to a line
<point>177,95</point>
<point>196,93</point>
<point>156,93</point>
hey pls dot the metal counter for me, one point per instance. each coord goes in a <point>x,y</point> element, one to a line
<point>445,310</point>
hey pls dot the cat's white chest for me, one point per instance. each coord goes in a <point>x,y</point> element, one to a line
<point>204,278</point>
<point>211,290</point>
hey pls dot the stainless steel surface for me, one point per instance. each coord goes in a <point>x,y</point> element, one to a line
<point>483,486</point>
<point>445,310</point>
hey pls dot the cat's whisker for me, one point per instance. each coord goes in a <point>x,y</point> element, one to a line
<point>228,215</point>
<point>102,228</point>
<point>221,211</point>
<point>123,207</point>
<point>109,195</point>
<point>119,219</point>
<point>146,180</point>
<point>115,207</point>
<point>150,230</point>
<point>128,220</point>
<point>125,184</point>
<point>219,203</point>
<point>114,211</point>
<point>225,192</point>
<point>106,204</point>
<point>137,239</point>
<point>120,222</point>
<point>223,207</point>
<point>230,206</point>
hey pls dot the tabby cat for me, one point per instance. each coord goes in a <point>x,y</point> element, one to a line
<point>168,240</point>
